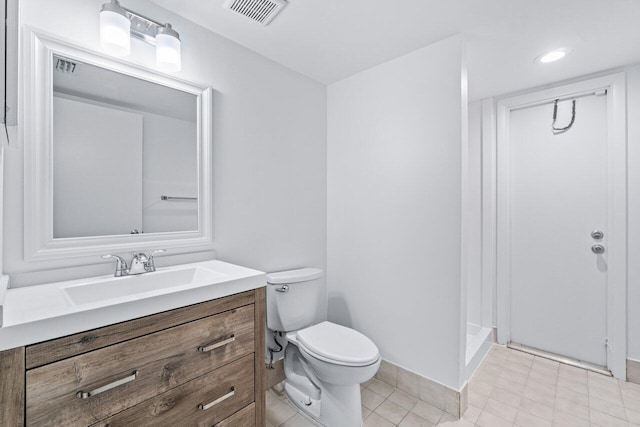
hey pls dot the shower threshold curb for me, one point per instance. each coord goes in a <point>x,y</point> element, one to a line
<point>561,359</point>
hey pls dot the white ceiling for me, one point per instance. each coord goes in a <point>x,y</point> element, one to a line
<point>111,87</point>
<point>328,40</point>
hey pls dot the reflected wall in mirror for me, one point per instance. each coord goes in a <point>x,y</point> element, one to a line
<point>125,153</point>
<point>117,157</point>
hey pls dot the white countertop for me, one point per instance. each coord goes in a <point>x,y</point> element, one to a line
<point>38,313</point>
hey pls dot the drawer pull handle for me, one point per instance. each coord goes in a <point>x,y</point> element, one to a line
<point>88,394</point>
<point>204,349</point>
<point>204,407</point>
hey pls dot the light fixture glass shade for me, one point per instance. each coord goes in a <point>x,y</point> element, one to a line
<point>115,36</point>
<point>168,54</point>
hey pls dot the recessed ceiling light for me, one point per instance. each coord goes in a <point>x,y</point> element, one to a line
<point>552,56</point>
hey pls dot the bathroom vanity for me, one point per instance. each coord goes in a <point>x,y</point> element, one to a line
<point>195,364</point>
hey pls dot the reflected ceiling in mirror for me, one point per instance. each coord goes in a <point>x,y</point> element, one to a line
<point>125,154</point>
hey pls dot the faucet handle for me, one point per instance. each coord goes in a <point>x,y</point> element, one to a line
<point>151,265</point>
<point>121,264</point>
<point>119,259</point>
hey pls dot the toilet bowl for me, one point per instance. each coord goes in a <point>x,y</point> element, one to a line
<point>337,354</point>
<point>324,363</point>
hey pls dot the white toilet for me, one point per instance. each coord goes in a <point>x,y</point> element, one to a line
<point>324,363</point>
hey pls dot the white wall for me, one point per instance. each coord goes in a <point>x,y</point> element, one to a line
<point>394,208</point>
<point>170,169</point>
<point>91,141</point>
<point>269,148</point>
<point>633,293</point>
<point>8,63</point>
<point>3,10</point>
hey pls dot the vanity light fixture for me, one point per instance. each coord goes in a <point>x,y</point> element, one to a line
<point>552,56</point>
<point>118,24</point>
<point>168,49</point>
<point>115,29</point>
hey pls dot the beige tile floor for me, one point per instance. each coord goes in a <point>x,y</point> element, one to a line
<point>382,406</point>
<point>510,388</point>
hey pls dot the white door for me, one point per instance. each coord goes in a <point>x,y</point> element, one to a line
<point>557,198</point>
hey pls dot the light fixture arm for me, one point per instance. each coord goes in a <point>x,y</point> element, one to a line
<point>146,29</point>
<point>142,27</point>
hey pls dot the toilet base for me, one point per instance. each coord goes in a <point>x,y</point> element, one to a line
<point>339,406</point>
<point>332,405</point>
<point>328,393</point>
<point>310,407</point>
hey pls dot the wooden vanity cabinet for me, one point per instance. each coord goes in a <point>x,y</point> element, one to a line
<point>201,365</point>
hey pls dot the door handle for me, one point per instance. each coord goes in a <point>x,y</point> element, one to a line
<point>597,235</point>
<point>597,249</point>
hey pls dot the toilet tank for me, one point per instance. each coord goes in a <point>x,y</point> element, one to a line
<point>293,298</point>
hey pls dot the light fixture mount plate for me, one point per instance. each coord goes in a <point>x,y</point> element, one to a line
<point>143,28</point>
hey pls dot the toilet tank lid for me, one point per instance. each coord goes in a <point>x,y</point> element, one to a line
<point>294,276</point>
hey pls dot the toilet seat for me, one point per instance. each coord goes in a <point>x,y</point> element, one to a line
<point>337,344</point>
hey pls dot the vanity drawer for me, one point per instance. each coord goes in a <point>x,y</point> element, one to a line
<point>72,345</point>
<point>246,417</point>
<point>161,361</point>
<point>203,401</point>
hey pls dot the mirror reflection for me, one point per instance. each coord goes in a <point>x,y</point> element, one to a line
<point>125,154</point>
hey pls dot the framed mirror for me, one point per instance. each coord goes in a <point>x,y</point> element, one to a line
<point>117,157</point>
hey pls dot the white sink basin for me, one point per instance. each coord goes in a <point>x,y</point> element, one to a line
<point>118,287</point>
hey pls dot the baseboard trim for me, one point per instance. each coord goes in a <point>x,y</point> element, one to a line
<point>446,399</point>
<point>633,371</point>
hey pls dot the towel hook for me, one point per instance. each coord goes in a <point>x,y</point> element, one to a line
<point>556,130</point>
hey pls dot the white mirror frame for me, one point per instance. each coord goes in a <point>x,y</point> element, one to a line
<point>37,133</point>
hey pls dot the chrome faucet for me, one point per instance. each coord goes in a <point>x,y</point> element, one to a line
<point>140,263</point>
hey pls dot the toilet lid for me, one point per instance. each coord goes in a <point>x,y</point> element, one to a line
<point>338,344</point>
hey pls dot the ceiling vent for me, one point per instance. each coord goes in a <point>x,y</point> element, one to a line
<point>262,11</point>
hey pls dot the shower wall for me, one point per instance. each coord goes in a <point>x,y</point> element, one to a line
<point>473,216</point>
<point>479,300</point>
<point>395,135</point>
